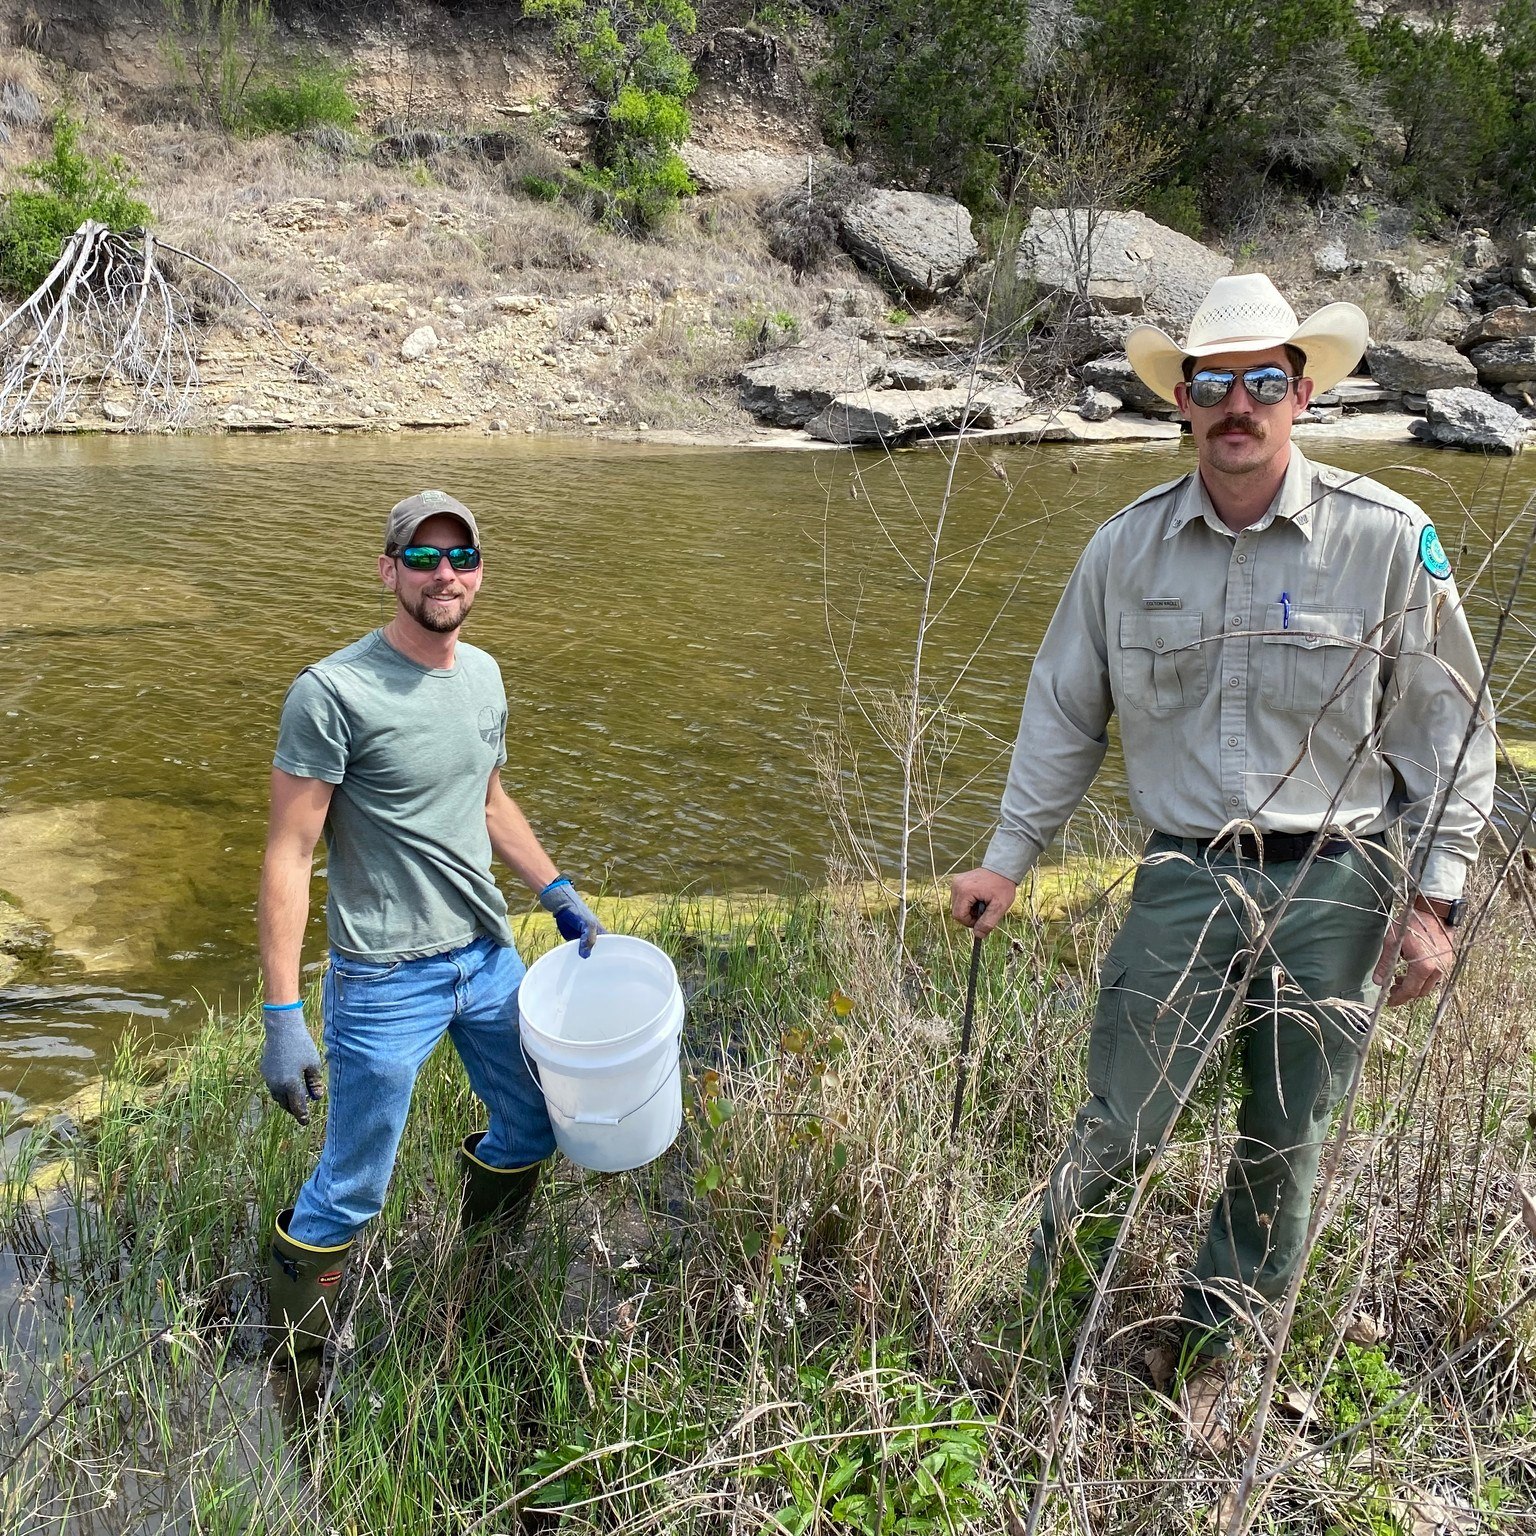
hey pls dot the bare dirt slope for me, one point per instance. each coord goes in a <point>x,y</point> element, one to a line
<point>430,289</point>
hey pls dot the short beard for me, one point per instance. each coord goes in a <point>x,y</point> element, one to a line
<point>439,620</point>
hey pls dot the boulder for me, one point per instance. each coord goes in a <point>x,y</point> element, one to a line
<point>1116,375</point>
<point>1332,260</point>
<point>1131,264</point>
<point>1478,251</point>
<point>1416,367</point>
<point>1502,362</point>
<point>418,344</point>
<point>892,416</point>
<point>1510,322</point>
<point>919,373</point>
<point>1522,263</point>
<point>1409,287</point>
<point>1098,404</point>
<point>917,242</point>
<point>788,387</point>
<point>1467,418</point>
<point>1086,337</point>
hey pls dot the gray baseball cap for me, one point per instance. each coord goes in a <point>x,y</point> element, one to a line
<point>405,517</point>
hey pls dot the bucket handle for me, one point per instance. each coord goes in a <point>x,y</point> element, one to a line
<point>620,1119</point>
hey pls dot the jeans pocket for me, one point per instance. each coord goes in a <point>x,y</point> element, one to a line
<point>363,972</point>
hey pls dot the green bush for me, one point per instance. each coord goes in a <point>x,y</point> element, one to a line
<point>71,187</point>
<point>939,93</point>
<point>642,82</point>
<point>315,97</point>
<point>217,48</point>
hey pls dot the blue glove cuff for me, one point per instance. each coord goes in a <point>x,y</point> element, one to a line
<point>280,1007</point>
<point>558,880</point>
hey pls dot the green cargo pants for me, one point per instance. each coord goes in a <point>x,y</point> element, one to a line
<point>1184,956</point>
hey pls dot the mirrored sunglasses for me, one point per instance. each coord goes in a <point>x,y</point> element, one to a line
<point>1266,385</point>
<point>425,557</point>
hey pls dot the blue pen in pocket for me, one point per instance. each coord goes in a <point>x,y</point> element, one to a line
<point>1285,610</point>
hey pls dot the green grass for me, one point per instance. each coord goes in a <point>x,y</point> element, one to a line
<point>764,1329</point>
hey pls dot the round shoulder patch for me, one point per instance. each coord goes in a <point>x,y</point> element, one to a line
<point>1432,553</point>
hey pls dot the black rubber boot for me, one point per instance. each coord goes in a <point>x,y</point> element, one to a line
<point>502,1195</point>
<point>302,1285</point>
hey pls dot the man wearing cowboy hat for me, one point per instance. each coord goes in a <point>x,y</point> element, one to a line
<point>1294,678</point>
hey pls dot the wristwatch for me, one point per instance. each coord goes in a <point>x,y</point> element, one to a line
<point>1450,912</point>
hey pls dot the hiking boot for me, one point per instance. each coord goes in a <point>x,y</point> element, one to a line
<point>302,1286</point>
<point>501,1195</point>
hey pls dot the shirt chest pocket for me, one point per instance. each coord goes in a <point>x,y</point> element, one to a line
<point>1162,663</point>
<point>1313,660</point>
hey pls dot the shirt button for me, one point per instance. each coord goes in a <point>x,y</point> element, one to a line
<point>1242,559</point>
<point>1237,623</point>
<point>1231,682</point>
<point>1158,643</point>
<point>1231,741</point>
<point>1233,800</point>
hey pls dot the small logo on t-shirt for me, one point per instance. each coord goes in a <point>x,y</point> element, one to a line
<point>493,725</point>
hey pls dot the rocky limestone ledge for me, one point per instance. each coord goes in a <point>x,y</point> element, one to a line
<point>1467,418</point>
<point>787,388</point>
<point>892,416</point>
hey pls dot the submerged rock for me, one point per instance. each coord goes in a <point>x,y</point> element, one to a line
<point>106,877</point>
<point>1467,418</point>
<point>104,600</point>
<point>21,939</point>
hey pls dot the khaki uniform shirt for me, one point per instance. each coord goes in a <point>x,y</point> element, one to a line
<point>1311,671</point>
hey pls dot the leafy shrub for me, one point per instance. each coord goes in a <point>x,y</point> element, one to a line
<point>72,187</point>
<point>315,97</point>
<point>801,223</point>
<point>940,93</point>
<point>217,47</point>
<point>642,82</point>
<point>1254,92</point>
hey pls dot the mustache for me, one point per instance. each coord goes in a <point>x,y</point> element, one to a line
<point>1244,424</point>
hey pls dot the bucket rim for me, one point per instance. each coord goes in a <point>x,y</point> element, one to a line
<point>673,1001</point>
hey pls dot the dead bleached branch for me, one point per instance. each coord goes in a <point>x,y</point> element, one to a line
<point>107,313</point>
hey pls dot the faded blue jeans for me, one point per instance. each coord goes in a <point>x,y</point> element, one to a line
<point>382,1021</point>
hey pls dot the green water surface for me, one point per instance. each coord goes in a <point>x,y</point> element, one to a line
<point>675,627</point>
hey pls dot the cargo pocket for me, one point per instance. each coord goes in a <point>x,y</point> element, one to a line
<point>1317,664</point>
<point>1162,665</point>
<point>1104,1038</point>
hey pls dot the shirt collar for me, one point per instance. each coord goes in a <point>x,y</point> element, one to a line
<point>1295,501</point>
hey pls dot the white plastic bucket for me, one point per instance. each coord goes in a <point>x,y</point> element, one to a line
<point>604,1035</point>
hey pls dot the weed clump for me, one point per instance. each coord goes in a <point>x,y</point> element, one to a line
<point>316,97</point>
<point>802,223</point>
<point>72,186</point>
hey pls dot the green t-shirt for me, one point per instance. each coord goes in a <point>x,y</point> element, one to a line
<point>410,750</point>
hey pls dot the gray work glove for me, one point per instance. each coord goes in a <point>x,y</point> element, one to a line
<point>290,1064</point>
<point>573,917</point>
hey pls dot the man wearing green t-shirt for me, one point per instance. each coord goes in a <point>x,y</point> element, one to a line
<point>392,749</point>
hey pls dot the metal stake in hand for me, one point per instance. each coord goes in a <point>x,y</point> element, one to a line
<point>977,908</point>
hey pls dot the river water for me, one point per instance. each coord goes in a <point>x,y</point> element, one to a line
<point>676,627</point>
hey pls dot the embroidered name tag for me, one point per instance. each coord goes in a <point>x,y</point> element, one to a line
<point>1162,602</point>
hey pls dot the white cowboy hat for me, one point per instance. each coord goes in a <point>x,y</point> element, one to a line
<point>1247,314</point>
